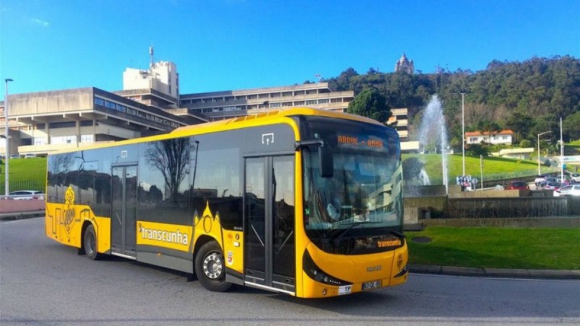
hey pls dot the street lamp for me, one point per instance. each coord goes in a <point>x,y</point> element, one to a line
<point>561,154</point>
<point>463,130</point>
<point>7,159</point>
<point>543,133</point>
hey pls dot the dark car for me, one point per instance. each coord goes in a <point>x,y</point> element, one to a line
<point>517,185</point>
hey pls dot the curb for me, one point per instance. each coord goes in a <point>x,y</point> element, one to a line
<point>497,272</point>
<point>20,215</point>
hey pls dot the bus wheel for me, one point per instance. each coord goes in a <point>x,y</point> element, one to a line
<point>90,243</point>
<point>210,268</point>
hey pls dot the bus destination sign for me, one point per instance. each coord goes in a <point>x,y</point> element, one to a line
<point>359,141</point>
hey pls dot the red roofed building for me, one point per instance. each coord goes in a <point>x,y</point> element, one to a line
<point>504,137</point>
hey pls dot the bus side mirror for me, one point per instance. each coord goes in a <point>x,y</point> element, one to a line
<point>325,161</point>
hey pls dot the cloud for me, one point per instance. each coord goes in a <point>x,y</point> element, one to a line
<point>40,22</point>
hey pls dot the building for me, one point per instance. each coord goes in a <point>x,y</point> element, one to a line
<point>516,153</point>
<point>400,121</point>
<point>149,103</point>
<point>405,65</point>
<point>234,103</point>
<point>43,122</point>
<point>504,137</point>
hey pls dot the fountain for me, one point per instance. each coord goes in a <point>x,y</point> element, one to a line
<point>433,136</point>
<point>422,198</point>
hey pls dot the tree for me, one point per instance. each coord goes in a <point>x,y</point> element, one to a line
<point>372,104</point>
<point>171,158</point>
<point>342,83</point>
<point>570,126</point>
<point>525,143</point>
<point>521,123</point>
<point>489,127</point>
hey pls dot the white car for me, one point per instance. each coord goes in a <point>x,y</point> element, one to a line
<point>26,195</point>
<point>571,190</point>
<point>540,179</point>
<point>575,177</point>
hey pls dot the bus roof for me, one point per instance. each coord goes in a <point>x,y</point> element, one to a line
<point>276,114</point>
<point>233,123</point>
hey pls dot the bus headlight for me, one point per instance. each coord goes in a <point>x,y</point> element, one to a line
<point>317,274</point>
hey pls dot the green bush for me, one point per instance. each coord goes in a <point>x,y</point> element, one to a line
<point>525,143</point>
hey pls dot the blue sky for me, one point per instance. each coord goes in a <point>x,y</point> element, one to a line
<point>236,44</point>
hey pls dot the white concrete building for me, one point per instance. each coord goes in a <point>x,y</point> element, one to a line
<point>504,137</point>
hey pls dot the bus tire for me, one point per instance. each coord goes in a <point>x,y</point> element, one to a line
<point>210,267</point>
<point>90,243</point>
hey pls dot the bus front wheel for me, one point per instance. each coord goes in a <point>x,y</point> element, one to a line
<point>90,243</point>
<point>210,268</point>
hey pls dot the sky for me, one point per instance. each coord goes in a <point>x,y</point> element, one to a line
<point>240,44</point>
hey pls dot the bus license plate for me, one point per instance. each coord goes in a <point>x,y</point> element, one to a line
<point>344,289</point>
<point>371,285</point>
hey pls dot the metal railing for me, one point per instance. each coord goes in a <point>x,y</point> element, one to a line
<point>39,185</point>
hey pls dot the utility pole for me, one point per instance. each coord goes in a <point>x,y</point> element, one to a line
<point>7,134</point>
<point>463,131</point>
<point>481,169</point>
<point>561,153</point>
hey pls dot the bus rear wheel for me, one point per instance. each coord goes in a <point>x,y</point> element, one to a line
<point>90,243</point>
<point>210,268</point>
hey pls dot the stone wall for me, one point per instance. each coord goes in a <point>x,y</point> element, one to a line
<point>12,206</point>
<point>492,205</point>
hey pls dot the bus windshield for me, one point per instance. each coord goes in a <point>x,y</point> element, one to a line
<point>365,189</point>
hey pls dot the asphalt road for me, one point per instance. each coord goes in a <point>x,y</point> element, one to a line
<point>45,283</point>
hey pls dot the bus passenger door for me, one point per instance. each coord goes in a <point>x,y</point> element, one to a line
<point>124,210</point>
<point>269,222</point>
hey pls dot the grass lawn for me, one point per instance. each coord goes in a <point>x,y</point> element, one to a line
<point>493,166</point>
<point>23,170</point>
<point>488,247</point>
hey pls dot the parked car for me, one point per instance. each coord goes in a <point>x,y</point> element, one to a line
<point>553,185</point>
<point>575,177</point>
<point>540,179</point>
<point>517,185</point>
<point>572,190</point>
<point>29,155</point>
<point>14,156</point>
<point>565,181</point>
<point>542,184</point>
<point>27,195</point>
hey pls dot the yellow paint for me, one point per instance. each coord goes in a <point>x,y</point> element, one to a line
<point>354,269</point>
<point>234,250</point>
<point>64,223</point>
<point>170,236</point>
<point>208,225</point>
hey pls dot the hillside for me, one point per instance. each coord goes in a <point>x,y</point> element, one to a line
<point>527,97</point>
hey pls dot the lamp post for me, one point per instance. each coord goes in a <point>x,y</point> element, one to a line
<point>561,153</point>
<point>543,133</point>
<point>7,159</point>
<point>463,131</point>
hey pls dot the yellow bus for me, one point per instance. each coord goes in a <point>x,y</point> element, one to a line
<point>298,201</point>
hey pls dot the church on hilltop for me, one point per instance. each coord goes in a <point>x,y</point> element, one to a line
<point>405,65</point>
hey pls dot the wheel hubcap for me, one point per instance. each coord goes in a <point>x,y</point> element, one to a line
<point>213,265</point>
